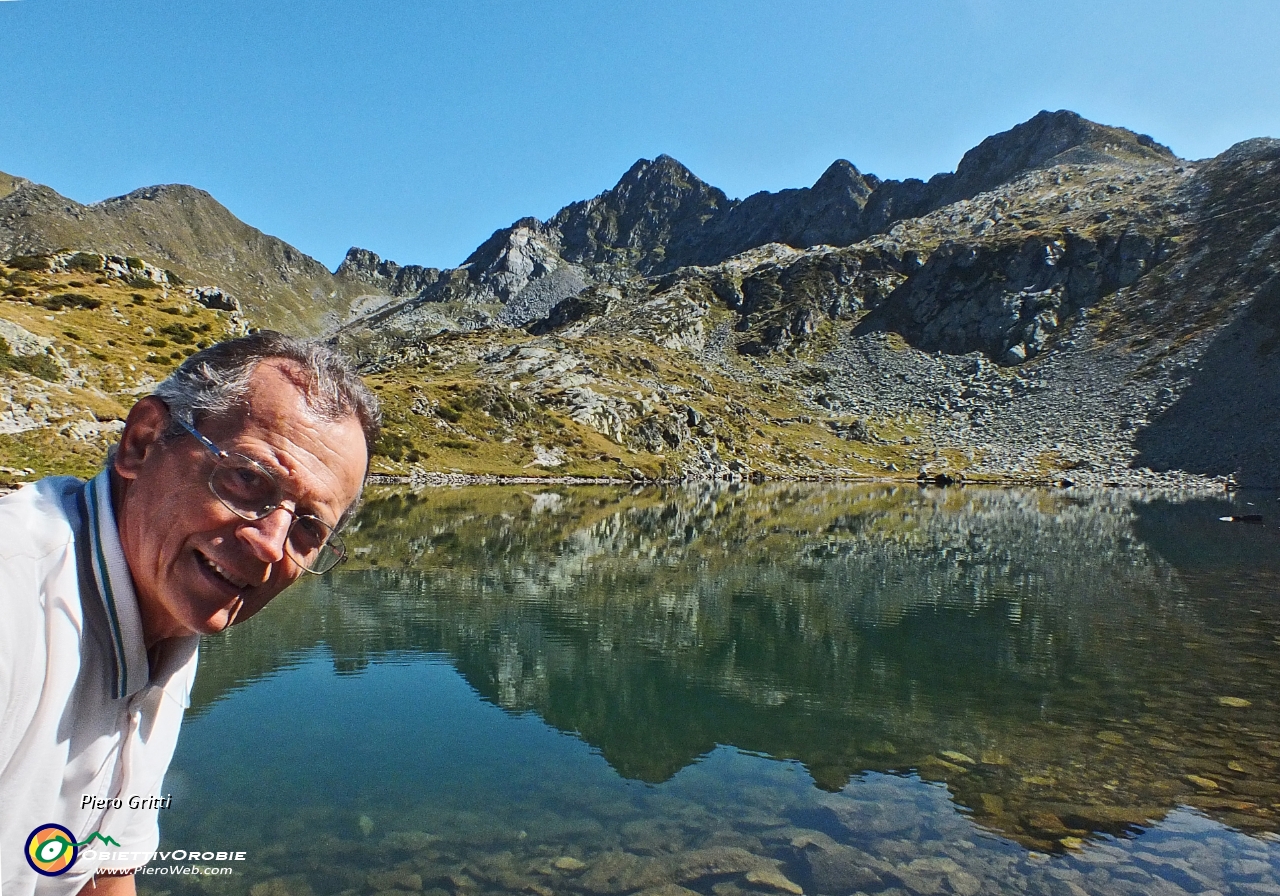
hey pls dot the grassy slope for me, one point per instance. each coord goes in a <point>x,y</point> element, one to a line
<point>465,422</point>
<point>450,408</point>
<point>187,231</point>
<point>102,359</point>
<point>444,413</point>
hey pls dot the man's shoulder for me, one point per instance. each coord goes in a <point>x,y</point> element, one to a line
<point>37,518</point>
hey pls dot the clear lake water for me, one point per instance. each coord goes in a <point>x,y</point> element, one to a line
<point>776,688</point>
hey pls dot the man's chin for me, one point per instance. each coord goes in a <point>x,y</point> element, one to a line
<point>223,619</point>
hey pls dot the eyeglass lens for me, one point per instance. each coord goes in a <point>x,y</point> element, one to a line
<point>251,492</point>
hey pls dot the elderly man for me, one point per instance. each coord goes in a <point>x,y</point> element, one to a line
<point>229,482</point>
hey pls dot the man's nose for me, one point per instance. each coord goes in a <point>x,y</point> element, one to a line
<point>266,536</point>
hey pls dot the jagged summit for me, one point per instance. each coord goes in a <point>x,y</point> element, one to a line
<point>164,193</point>
<point>660,216</point>
<point>1046,139</point>
<point>361,266</point>
<point>843,176</point>
<point>657,209</point>
<point>1248,150</point>
<point>663,174</point>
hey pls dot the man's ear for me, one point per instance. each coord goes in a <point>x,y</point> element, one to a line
<point>142,436</point>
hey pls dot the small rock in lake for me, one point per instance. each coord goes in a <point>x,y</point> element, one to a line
<point>622,872</point>
<point>699,863</point>
<point>964,884</point>
<point>842,869</point>
<point>1237,702</point>
<point>1038,780</point>
<point>991,803</point>
<point>804,838</point>
<point>667,890</point>
<point>771,879</point>
<point>395,880</point>
<point>569,863</point>
<point>365,824</point>
<point>414,841</point>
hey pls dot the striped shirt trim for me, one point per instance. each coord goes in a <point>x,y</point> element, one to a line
<point>115,589</point>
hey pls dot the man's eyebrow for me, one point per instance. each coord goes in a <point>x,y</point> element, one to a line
<point>282,477</point>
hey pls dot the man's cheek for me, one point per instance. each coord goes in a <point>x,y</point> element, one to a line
<point>251,608</point>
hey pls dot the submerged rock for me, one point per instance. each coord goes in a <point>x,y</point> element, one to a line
<point>770,879</point>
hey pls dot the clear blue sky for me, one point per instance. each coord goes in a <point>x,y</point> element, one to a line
<point>417,128</point>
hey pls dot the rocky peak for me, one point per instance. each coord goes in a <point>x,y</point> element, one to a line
<point>649,219</point>
<point>506,262</point>
<point>28,197</point>
<point>363,265</point>
<point>1046,139</point>
<point>1248,151</point>
<point>489,251</point>
<point>664,178</point>
<point>842,179</point>
<point>366,267</point>
<point>175,193</point>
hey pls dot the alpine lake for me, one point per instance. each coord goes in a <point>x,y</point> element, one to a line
<point>772,688</point>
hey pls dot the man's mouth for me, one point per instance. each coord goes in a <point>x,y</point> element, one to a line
<point>222,574</point>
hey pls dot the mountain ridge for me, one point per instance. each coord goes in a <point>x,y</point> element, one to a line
<point>1030,315</point>
<point>660,216</point>
<point>187,231</point>
<point>1072,303</point>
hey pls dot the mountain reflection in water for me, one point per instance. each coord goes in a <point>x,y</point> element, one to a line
<point>1068,665</point>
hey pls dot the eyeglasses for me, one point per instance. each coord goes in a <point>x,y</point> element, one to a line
<point>252,493</point>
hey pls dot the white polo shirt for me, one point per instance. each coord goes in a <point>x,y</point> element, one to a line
<point>87,720</point>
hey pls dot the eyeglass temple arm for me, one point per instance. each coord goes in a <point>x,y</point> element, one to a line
<point>217,452</point>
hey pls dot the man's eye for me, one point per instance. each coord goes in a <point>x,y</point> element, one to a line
<point>244,483</point>
<point>309,533</point>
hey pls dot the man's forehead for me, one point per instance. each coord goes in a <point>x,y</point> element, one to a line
<point>276,399</point>
<point>278,422</point>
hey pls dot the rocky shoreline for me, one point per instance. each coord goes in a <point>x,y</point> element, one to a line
<point>1121,478</point>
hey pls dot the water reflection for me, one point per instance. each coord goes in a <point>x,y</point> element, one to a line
<point>1069,666</point>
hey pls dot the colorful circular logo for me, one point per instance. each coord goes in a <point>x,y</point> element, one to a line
<point>51,849</point>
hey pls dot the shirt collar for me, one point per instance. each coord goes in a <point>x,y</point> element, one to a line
<point>113,586</point>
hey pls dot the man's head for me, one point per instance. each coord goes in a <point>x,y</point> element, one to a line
<point>296,409</point>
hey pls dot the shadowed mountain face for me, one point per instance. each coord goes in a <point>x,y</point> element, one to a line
<point>653,219</point>
<point>1073,657</point>
<point>1226,419</point>
<point>186,231</point>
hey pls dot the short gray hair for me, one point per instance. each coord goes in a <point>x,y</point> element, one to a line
<point>216,380</point>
